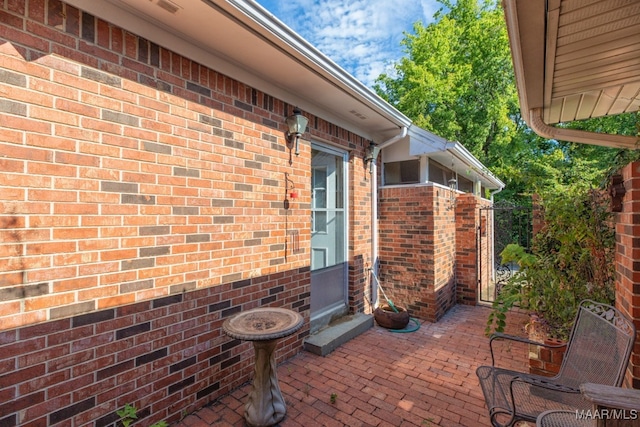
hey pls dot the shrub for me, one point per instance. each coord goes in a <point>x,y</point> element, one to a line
<point>572,259</point>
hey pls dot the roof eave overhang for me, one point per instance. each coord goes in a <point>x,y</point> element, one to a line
<point>526,27</point>
<point>262,27</point>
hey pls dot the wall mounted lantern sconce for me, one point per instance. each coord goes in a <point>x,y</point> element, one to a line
<point>370,155</point>
<point>453,186</point>
<point>296,125</point>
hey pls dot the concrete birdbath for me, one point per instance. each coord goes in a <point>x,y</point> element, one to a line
<point>264,326</point>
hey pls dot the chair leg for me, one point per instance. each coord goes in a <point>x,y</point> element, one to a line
<point>494,414</point>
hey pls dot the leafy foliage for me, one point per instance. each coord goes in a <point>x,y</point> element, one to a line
<point>572,259</point>
<point>457,78</point>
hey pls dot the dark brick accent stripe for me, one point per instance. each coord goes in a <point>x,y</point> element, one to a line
<point>154,251</point>
<point>276,290</point>
<point>208,120</point>
<point>193,173</point>
<point>231,344</point>
<point>243,106</point>
<point>118,187</point>
<point>241,284</point>
<point>138,199</point>
<point>208,390</point>
<point>199,89</point>
<point>231,311</point>
<point>114,370</point>
<point>12,78</point>
<point>72,410</point>
<point>150,357</point>
<point>182,365</point>
<point>230,362</point>
<point>88,27</point>
<point>163,302</point>
<point>136,264</point>
<point>156,148</point>
<point>182,384</point>
<point>133,330</point>
<point>155,230</point>
<point>196,238</point>
<point>95,317</point>
<point>219,306</point>
<point>185,210</point>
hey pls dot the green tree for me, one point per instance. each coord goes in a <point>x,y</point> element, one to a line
<point>456,79</point>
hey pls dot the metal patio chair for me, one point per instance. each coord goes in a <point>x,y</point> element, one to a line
<point>611,406</point>
<point>597,352</point>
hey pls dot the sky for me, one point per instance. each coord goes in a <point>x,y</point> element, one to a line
<point>362,36</point>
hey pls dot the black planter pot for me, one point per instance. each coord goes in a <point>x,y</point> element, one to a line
<point>387,318</point>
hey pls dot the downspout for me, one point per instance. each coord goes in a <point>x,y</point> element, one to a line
<point>374,212</point>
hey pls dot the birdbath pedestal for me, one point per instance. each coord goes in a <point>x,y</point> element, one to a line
<point>264,326</point>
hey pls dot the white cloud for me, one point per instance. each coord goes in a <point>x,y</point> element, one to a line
<point>362,36</point>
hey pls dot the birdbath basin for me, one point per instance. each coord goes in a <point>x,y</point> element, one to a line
<point>264,326</point>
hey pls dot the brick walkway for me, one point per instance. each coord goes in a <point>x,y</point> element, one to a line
<point>424,378</point>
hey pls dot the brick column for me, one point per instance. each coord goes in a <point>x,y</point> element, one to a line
<point>417,249</point>
<point>538,214</point>
<point>628,261</point>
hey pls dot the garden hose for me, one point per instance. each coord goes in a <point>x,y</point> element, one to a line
<point>393,307</point>
<point>405,330</point>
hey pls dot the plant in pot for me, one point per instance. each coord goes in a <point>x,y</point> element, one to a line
<point>572,259</point>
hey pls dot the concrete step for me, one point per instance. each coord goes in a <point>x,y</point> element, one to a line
<point>337,333</point>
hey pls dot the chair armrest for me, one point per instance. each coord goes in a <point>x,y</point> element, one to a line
<point>544,383</point>
<point>499,335</point>
<point>612,397</point>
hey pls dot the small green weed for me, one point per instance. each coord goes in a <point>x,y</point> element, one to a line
<point>128,415</point>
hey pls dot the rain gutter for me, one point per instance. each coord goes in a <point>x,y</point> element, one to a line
<point>538,125</point>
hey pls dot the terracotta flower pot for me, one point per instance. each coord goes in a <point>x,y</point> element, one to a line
<point>387,318</point>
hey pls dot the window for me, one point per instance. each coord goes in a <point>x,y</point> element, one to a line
<point>439,174</point>
<point>405,172</point>
<point>465,184</point>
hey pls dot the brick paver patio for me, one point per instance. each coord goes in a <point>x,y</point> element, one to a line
<point>424,378</point>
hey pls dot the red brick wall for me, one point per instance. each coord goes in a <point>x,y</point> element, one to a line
<point>628,261</point>
<point>417,249</point>
<point>142,202</point>
<point>469,223</point>
<point>164,356</point>
<point>428,253</point>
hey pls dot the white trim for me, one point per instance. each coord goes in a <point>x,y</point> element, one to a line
<point>338,152</point>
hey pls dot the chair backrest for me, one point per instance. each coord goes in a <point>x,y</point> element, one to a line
<point>599,346</point>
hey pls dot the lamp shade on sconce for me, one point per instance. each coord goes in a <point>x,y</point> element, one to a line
<point>296,126</point>
<point>296,123</point>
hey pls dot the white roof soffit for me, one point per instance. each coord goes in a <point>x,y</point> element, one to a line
<point>574,60</point>
<point>423,142</point>
<point>242,40</point>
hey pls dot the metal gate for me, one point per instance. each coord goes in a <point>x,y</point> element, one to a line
<point>500,224</point>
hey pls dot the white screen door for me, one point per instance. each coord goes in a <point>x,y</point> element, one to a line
<point>328,231</point>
